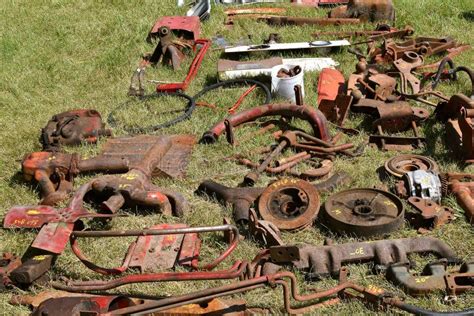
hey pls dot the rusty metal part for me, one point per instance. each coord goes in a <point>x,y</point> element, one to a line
<point>401,143</point>
<point>399,165</point>
<point>33,301</point>
<point>366,10</point>
<point>330,84</point>
<point>8,263</point>
<point>429,214</point>
<point>151,253</point>
<point>336,111</point>
<point>161,247</point>
<point>266,232</point>
<point>289,204</point>
<point>452,53</point>
<point>241,199</point>
<point>392,117</point>
<point>322,170</point>
<point>424,46</point>
<point>170,50</point>
<point>314,117</point>
<point>462,187</point>
<point>290,20</point>
<point>55,172</point>
<point>83,305</point>
<point>404,66</point>
<point>236,105</point>
<point>187,27</point>
<point>434,277</point>
<point>261,10</point>
<point>364,212</point>
<point>72,128</point>
<point>327,260</point>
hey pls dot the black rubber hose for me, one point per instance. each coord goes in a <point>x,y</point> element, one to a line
<point>424,312</point>
<point>188,110</point>
<point>443,62</point>
<point>225,83</point>
<point>470,73</point>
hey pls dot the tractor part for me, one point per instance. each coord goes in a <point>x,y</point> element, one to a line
<point>55,172</point>
<point>241,199</point>
<point>460,132</point>
<point>290,20</point>
<point>403,68</point>
<point>399,165</point>
<point>311,301</point>
<point>364,212</point>
<point>263,231</point>
<point>423,46</point>
<point>186,27</point>
<point>203,46</point>
<point>366,10</point>
<point>330,84</point>
<point>462,187</point>
<point>160,247</point>
<point>393,117</point>
<point>422,184</point>
<point>232,69</point>
<point>8,263</point>
<point>434,277</point>
<point>314,117</point>
<point>84,305</point>
<point>322,261</point>
<point>289,204</point>
<point>383,31</point>
<point>336,111</point>
<point>430,215</point>
<point>286,46</point>
<point>73,128</point>
<point>150,253</point>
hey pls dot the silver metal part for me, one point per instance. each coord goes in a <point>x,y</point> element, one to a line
<point>424,184</point>
<point>202,9</point>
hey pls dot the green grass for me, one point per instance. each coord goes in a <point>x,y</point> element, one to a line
<point>60,55</point>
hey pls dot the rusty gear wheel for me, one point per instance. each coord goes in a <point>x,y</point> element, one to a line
<point>399,165</point>
<point>364,212</point>
<point>289,204</point>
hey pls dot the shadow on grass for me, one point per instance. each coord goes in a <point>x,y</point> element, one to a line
<point>468,15</point>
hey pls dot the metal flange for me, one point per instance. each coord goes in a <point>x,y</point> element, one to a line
<point>289,204</point>
<point>364,212</point>
<point>401,164</point>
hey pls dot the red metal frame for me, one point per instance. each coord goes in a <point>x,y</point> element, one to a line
<point>193,69</point>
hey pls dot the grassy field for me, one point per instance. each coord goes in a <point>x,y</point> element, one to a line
<point>61,55</point>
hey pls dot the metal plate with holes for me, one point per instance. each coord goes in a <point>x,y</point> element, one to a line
<point>429,214</point>
<point>289,204</point>
<point>364,212</point>
<point>401,164</point>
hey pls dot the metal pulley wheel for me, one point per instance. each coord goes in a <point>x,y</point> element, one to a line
<point>364,212</point>
<point>289,204</point>
<point>401,164</point>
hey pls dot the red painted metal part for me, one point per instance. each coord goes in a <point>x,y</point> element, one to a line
<point>189,24</point>
<point>330,84</point>
<point>193,69</point>
<point>314,117</point>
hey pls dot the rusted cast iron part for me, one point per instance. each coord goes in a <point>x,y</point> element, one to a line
<point>158,248</point>
<point>314,117</point>
<point>187,27</point>
<point>322,261</point>
<point>424,46</point>
<point>134,188</point>
<point>430,215</point>
<point>459,111</point>
<point>434,277</point>
<point>72,128</point>
<point>452,53</point>
<point>401,164</point>
<point>289,20</point>
<point>393,117</point>
<point>336,111</point>
<point>366,10</point>
<point>150,253</point>
<point>83,305</point>
<point>55,172</point>
<point>289,204</point>
<point>302,141</point>
<point>242,199</point>
<point>404,67</point>
<point>8,263</point>
<point>364,212</point>
<point>462,187</point>
<point>263,231</point>
<point>330,85</point>
<point>382,31</point>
